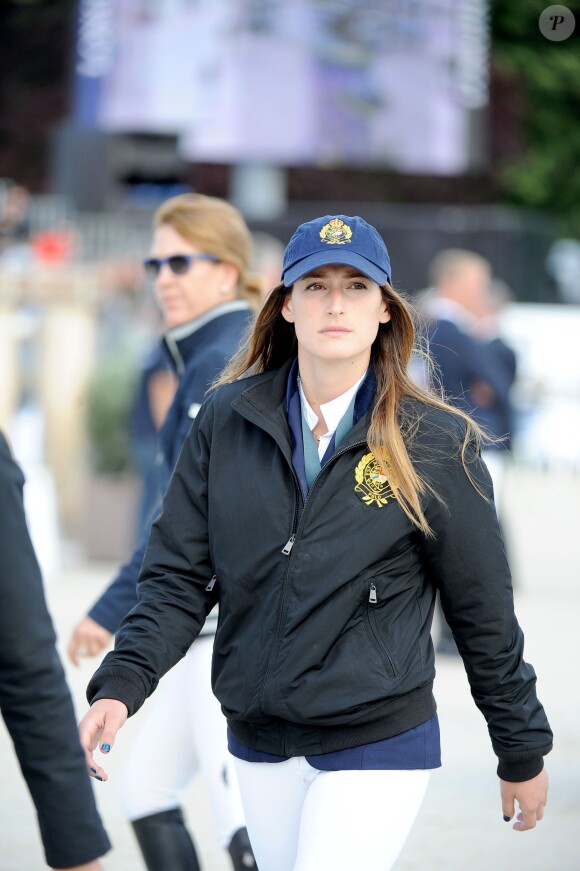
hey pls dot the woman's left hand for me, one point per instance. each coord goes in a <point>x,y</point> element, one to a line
<point>532,797</point>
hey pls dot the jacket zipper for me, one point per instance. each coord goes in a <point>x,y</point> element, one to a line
<point>289,545</point>
<point>298,494</point>
<point>381,647</point>
<point>287,551</point>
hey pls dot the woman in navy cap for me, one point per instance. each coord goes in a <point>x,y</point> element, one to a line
<point>323,500</point>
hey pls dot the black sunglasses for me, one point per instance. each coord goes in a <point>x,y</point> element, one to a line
<point>178,263</point>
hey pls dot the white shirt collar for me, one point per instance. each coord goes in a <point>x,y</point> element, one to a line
<point>332,412</point>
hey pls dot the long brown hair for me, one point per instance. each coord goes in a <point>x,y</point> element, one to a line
<point>271,341</point>
<point>218,228</point>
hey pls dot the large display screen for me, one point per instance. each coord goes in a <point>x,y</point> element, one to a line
<point>390,83</point>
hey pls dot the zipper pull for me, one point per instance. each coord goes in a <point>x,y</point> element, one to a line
<point>289,545</point>
<point>373,594</point>
<point>211,584</point>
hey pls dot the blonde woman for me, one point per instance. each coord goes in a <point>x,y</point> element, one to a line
<point>323,500</point>
<point>199,266</point>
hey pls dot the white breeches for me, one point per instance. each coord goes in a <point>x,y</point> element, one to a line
<point>302,819</point>
<point>184,732</point>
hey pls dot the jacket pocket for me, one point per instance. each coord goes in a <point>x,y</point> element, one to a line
<point>376,635</point>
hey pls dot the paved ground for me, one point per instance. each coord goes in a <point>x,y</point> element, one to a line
<point>461,824</point>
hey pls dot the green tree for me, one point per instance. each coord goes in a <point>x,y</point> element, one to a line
<point>110,396</point>
<point>546,76</point>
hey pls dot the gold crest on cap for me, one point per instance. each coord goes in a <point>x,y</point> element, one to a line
<point>336,232</point>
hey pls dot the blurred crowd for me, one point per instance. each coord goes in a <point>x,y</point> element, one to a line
<point>502,359</point>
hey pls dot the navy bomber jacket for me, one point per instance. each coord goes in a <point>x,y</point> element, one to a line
<point>198,351</point>
<point>35,700</point>
<point>325,605</point>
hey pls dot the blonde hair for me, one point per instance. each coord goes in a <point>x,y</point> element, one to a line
<point>218,228</point>
<point>272,341</point>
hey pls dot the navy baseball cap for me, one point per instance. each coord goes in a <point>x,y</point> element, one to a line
<point>336,239</point>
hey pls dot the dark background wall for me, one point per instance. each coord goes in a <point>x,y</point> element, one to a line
<point>417,214</point>
<point>515,241</point>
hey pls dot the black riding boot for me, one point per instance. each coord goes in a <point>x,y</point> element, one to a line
<point>241,851</point>
<point>165,842</point>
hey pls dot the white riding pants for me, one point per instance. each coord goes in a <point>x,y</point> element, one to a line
<point>184,731</point>
<point>302,819</point>
<point>496,462</point>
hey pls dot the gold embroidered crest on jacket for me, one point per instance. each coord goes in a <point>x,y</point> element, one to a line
<point>372,484</point>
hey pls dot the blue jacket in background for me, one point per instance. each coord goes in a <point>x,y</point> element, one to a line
<point>145,435</point>
<point>198,350</point>
<point>462,361</point>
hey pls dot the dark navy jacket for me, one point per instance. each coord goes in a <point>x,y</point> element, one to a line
<point>35,700</point>
<point>498,417</point>
<point>199,350</point>
<point>462,361</point>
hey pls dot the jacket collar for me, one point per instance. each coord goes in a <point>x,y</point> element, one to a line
<point>264,402</point>
<point>183,341</point>
<point>364,396</point>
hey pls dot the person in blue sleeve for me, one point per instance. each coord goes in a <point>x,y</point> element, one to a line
<point>154,394</point>
<point>199,264</point>
<point>476,374</point>
<point>323,498</point>
<point>35,700</point>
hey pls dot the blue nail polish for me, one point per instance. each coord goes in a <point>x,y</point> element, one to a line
<point>506,819</point>
<point>99,778</point>
<point>94,770</point>
<point>105,748</point>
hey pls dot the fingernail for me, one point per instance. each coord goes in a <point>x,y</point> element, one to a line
<point>94,770</point>
<point>105,748</point>
<point>99,778</point>
<point>506,819</point>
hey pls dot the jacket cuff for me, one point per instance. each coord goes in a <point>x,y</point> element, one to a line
<point>516,772</point>
<point>117,682</point>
